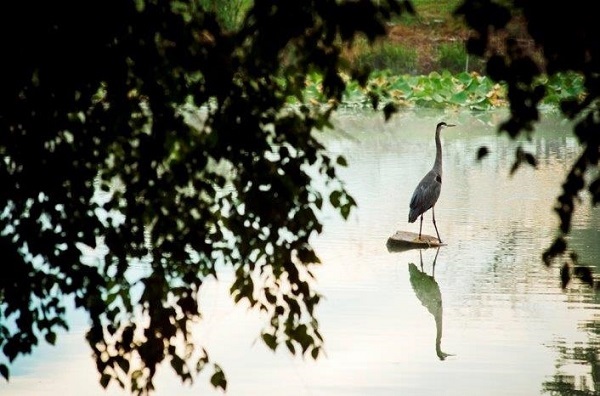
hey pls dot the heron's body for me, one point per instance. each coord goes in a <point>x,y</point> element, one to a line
<point>426,194</point>
<point>429,188</point>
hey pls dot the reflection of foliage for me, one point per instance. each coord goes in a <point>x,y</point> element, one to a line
<point>576,384</point>
<point>564,383</point>
<point>103,99</point>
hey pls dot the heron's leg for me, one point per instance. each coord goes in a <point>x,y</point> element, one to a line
<point>434,260</point>
<point>436,230</point>
<point>421,227</point>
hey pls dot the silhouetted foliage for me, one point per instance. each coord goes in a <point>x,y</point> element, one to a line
<point>147,125</point>
<point>146,129</point>
<point>567,35</point>
<point>482,152</point>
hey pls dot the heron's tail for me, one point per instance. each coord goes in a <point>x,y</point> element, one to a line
<point>412,215</point>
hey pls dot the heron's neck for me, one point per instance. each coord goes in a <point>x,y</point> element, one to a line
<point>438,152</point>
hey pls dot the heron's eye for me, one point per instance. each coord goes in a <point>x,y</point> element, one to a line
<point>438,179</point>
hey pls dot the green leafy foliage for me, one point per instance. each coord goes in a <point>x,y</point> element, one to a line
<point>229,13</point>
<point>396,58</point>
<point>453,57</point>
<point>445,90</point>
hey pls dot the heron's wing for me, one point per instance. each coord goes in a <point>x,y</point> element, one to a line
<point>427,193</point>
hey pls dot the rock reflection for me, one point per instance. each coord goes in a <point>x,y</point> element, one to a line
<point>428,292</point>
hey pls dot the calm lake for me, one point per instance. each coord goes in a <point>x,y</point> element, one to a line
<point>387,317</point>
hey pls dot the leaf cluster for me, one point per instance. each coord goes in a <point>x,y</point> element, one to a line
<point>147,131</point>
<point>567,36</point>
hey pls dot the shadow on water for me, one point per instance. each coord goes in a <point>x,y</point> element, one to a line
<point>428,292</point>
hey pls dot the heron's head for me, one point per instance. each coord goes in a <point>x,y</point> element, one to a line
<point>443,125</point>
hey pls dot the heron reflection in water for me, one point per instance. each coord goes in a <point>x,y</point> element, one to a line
<point>428,292</point>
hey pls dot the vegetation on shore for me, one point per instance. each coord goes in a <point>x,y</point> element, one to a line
<point>470,91</point>
<point>422,62</point>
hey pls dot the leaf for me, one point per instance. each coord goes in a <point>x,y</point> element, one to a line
<point>334,198</point>
<point>4,371</point>
<point>345,211</point>
<point>123,364</point>
<point>290,347</point>
<point>389,110</point>
<point>519,156</point>
<point>374,100</point>
<point>315,352</point>
<point>50,337</point>
<point>270,297</point>
<point>178,364</point>
<point>558,246</point>
<point>482,152</point>
<point>202,362</point>
<point>270,340</point>
<point>460,97</point>
<point>105,380</point>
<point>531,160</point>
<point>218,379</point>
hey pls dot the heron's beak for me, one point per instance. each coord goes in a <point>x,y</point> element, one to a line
<point>450,125</point>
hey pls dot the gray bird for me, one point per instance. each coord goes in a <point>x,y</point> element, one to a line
<point>428,190</point>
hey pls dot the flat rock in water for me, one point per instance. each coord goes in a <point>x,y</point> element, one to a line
<point>404,240</point>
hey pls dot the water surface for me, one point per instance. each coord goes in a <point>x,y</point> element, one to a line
<point>389,318</point>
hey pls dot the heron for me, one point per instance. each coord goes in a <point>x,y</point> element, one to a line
<point>428,190</point>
